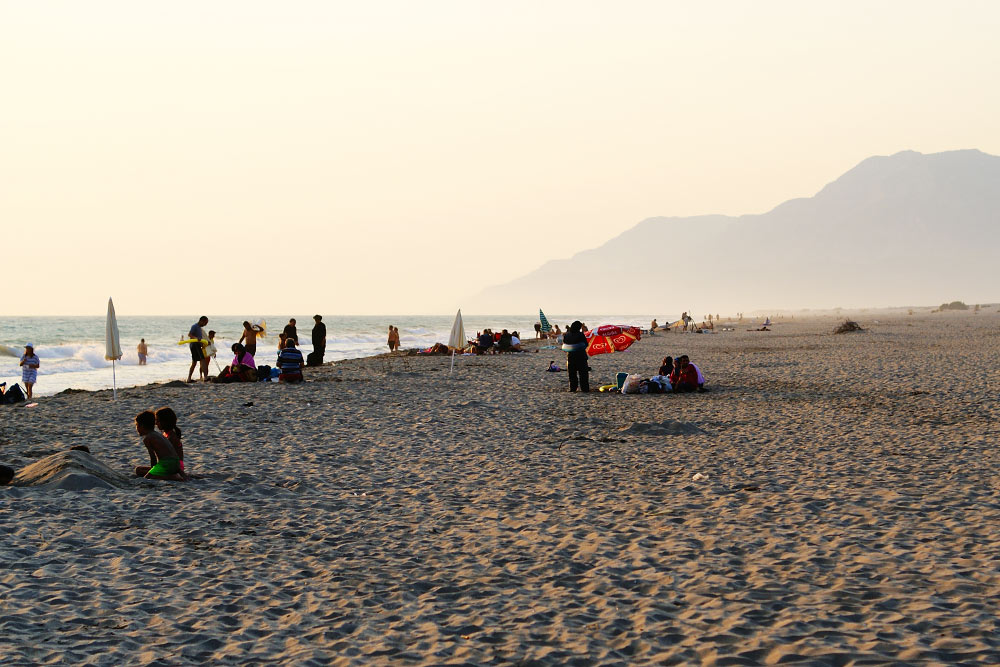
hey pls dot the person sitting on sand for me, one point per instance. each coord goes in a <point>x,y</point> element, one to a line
<point>243,367</point>
<point>685,377</point>
<point>667,367</point>
<point>166,421</point>
<point>653,326</point>
<point>290,362</point>
<point>485,342</point>
<point>163,460</point>
<point>515,342</point>
<point>503,345</point>
<point>553,368</point>
<point>282,337</point>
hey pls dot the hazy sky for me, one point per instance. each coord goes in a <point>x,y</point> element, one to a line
<point>392,157</point>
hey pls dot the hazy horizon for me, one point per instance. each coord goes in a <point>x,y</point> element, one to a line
<point>393,157</point>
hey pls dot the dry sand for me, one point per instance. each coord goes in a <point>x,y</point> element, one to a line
<point>387,512</point>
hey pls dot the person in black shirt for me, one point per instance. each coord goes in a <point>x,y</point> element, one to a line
<point>575,346</point>
<point>503,345</point>
<point>315,358</point>
<point>290,331</point>
<point>667,367</point>
<point>484,342</point>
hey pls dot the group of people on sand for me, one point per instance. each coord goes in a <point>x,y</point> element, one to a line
<point>684,375</point>
<point>393,338</point>
<point>686,323</point>
<point>678,375</point>
<point>555,333</point>
<point>243,367</point>
<point>501,342</point>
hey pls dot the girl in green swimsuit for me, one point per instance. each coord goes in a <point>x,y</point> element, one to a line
<point>164,463</point>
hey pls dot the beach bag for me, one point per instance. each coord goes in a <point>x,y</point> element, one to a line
<point>631,384</point>
<point>314,359</point>
<point>263,373</point>
<point>12,395</point>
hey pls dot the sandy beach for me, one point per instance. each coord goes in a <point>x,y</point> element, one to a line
<point>386,512</point>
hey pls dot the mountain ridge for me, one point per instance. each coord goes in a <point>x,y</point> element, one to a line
<point>904,228</point>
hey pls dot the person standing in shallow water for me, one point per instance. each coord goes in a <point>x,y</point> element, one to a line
<point>575,347</point>
<point>249,338</point>
<point>29,368</point>
<point>291,332</point>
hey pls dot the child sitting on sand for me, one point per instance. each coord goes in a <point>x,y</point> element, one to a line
<point>163,460</point>
<point>166,421</point>
<point>553,368</point>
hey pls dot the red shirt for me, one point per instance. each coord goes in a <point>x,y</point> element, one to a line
<point>685,378</point>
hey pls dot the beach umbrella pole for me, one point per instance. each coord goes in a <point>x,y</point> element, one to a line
<point>114,382</point>
<point>452,370</point>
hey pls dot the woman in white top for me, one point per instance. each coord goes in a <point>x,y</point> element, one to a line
<point>29,368</point>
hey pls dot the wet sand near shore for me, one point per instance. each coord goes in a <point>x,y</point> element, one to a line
<point>848,511</point>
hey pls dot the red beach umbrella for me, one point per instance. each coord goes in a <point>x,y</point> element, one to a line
<point>611,338</point>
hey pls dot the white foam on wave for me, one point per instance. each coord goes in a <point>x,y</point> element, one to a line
<point>78,357</point>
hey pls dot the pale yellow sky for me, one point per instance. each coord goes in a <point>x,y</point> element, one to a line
<point>392,157</point>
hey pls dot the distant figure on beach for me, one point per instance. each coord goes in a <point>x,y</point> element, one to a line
<point>318,341</point>
<point>163,460</point>
<point>515,341</point>
<point>282,337</point>
<point>653,326</point>
<point>553,368</point>
<point>575,346</point>
<point>249,338</point>
<point>197,334</point>
<point>393,340</point>
<point>142,351</point>
<point>290,331</point>
<point>29,368</point>
<point>538,330</point>
<point>166,421</point>
<point>290,362</point>
<point>210,351</point>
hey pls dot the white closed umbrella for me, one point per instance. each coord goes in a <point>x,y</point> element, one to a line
<point>112,345</point>
<point>457,339</point>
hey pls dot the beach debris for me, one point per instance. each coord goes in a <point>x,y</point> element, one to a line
<point>847,327</point>
<point>697,477</point>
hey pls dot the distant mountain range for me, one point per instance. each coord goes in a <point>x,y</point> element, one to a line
<point>908,229</point>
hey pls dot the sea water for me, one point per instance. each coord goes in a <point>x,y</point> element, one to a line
<point>71,349</point>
